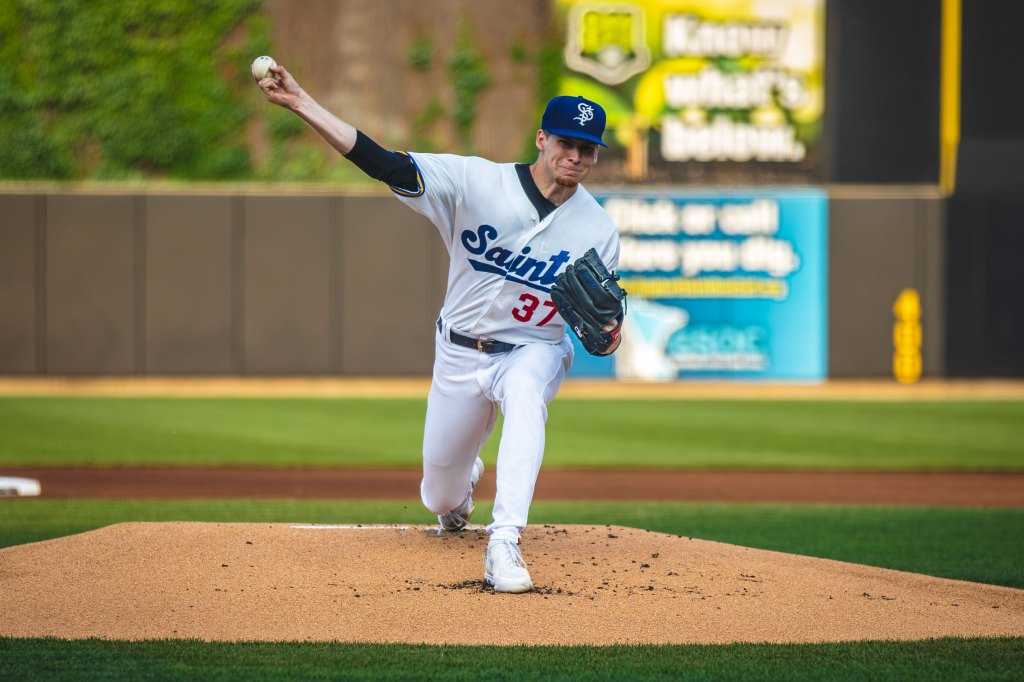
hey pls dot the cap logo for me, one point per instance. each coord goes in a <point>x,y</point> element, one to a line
<point>586,113</point>
<point>575,117</point>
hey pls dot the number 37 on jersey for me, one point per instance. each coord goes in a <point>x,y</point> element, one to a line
<point>531,310</point>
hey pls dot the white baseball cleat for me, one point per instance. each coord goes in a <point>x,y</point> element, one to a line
<point>504,567</point>
<point>457,518</point>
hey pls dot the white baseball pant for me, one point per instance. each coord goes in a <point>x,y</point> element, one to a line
<point>467,389</point>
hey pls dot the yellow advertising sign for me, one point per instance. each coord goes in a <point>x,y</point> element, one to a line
<point>738,81</point>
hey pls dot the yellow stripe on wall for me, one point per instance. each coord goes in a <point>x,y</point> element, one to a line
<point>949,113</point>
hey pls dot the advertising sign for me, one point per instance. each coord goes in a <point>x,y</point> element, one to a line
<point>702,90</point>
<point>722,285</point>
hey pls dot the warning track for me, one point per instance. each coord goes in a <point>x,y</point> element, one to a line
<point>961,489</point>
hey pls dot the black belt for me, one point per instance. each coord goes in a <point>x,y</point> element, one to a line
<point>482,345</point>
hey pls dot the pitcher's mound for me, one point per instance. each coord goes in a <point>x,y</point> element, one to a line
<point>593,585</point>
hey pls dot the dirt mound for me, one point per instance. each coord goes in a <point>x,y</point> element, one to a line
<point>594,585</point>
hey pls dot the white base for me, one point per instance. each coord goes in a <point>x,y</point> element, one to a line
<point>18,487</point>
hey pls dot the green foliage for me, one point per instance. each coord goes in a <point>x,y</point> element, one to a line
<point>549,72</point>
<point>282,124</point>
<point>423,123</point>
<point>27,152</point>
<point>343,173</point>
<point>25,149</point>
<point>127,89</point>
<point>469,77</point>
<point>420,53</point>
<point>303,164</point>
<point>517,52</point>
<point>549,78</point>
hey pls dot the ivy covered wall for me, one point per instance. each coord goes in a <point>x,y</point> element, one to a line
<point>125,90</point>
<point>160,89</point>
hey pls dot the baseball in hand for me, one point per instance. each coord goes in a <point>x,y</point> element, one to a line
<point>261,67</point>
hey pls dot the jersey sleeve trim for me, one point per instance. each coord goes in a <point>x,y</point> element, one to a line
<point>420,188</point>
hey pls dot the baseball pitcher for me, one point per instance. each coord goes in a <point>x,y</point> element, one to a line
<point>531,250</point>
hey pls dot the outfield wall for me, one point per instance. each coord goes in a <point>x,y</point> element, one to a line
<point>263,284</point>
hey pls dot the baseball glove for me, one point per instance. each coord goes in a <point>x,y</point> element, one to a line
<point>590,299</point>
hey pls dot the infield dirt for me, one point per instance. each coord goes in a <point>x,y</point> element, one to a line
<point>954,488</point>
<point>593,585</point>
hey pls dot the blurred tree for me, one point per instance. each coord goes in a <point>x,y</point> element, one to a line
<point>126,90</point>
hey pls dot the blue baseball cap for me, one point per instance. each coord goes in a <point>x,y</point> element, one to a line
<point>576,117</point>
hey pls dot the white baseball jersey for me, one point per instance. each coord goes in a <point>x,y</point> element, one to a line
<point>504,258</point>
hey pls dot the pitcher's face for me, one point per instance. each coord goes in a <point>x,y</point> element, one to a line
<point>567,160</point>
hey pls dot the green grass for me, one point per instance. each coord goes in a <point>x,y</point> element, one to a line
<point>932,435</point>
<point>939,659</point>
<point>981,545</point>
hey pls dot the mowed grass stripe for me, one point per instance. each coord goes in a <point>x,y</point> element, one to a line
<point>980,545</point>
<point>837,435</point>
<point>940,659</point>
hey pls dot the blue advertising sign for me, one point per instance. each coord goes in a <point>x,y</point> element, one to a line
<point>722,285</point>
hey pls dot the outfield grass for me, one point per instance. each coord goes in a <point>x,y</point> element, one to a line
<point>932,435</point>
<point>981,545</point>
<point>940,659</point>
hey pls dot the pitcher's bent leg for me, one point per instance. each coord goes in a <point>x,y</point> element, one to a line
<point>459,419</point>
<point>455,431</point>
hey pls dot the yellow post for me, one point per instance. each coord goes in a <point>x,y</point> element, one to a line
<point>949,109</point>
<point>906,337</point>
